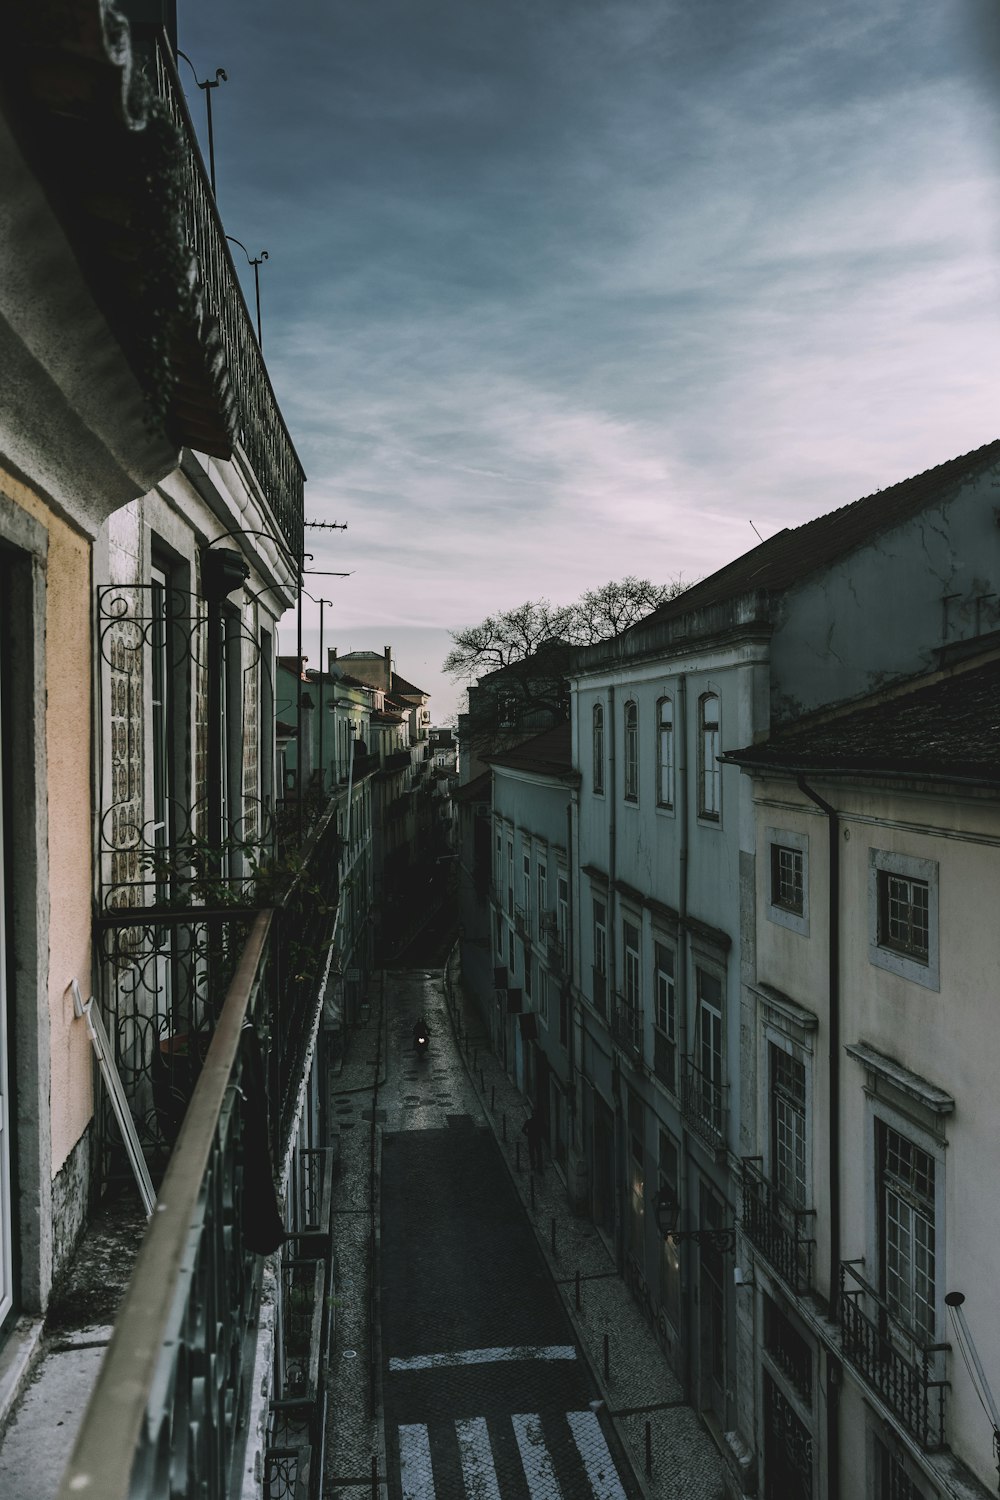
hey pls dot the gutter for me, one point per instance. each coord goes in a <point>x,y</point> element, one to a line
<point>833,1127</point>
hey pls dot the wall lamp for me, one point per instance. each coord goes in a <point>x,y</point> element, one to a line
<point>667,1209</point>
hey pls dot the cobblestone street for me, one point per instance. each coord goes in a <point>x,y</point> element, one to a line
<point>451,1320</point>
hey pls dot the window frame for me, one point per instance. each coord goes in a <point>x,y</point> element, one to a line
<point>665,1009</point>
<point>776,911</point>
<point>630,750</point>
<point>883,865</point>
<point>599,951</point>
<point>597,749</point>
<point>709,769</point>
<point>665,765</point>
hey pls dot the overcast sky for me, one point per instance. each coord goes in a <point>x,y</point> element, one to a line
<point>560,290</point>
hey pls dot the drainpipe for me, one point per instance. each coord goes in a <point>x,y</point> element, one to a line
<point>612,972</point>
<point>833,1366</point>
<point>683,805</point>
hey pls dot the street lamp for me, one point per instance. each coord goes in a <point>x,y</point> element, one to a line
<point>208,84</point>
<point>256,279</point>
<point>667,1209</point>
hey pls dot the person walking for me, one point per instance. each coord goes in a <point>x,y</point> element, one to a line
<point>534,1129</point>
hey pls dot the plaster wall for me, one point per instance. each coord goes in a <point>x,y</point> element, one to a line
<point>881,612</point>
<point>68,635</point>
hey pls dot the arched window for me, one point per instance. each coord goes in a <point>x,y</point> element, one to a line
<point>598,747</point>
<point>710,772</point>
<point>665,752</point>
<point>631,751</point>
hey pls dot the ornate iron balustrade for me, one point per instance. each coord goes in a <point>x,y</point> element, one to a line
<point>255,416</point>
<point>901,1369</point>
<point>626,1027</point>
<point>776,1230</point>
<point>703,1104</point>
<point>164,1417</point>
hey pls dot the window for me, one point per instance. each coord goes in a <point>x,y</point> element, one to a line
<point>598,767</point>
<point>526,965</point>
<point>786,878</point>
<point>906,1213</point>
<point>892,1475</point>
<point>510,878</point>
<point>562,914</point>
<point>543,993</point>
<point>903,915</point>
<point>542,895</point>
<point>499,865</point>
<point>631,752</point>
<point>787,874</point>
<point>665,753</point>
<point>526,889</point>
<point>600,966</point>
<point>665,1039</point>
<point>708,1041</point>
<point>499,934</point>
<point>709,770</point>
<point>788,1126</point>
<point>670,1258</point>
<point>630,953</point>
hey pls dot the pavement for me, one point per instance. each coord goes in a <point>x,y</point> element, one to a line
<point>671,1455</point>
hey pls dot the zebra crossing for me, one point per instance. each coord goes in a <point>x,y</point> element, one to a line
<point>561,1457</point>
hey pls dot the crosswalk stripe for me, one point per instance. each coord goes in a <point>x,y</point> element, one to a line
<point>477,1460</point>
<point>536,1460</point>
<point>415,1474</point>
<point>481,1356</point>
<point>596,1455</point>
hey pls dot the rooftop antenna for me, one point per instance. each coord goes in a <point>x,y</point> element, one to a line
<point>756,533</point>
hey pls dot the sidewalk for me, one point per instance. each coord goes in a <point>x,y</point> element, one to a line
<point>640,1388</point>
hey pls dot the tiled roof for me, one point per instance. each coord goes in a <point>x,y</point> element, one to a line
<point>949,730</point>
<point>794,553</point>
<point>400,685</point>
<point>477,790</point>
<point>550,753</point>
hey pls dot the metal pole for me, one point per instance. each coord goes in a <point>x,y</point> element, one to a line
<point>208,87</point>
<point>298,705</point>
<point>322,763</point>
<point>256,288</point>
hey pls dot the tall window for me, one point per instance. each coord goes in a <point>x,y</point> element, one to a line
<point>543,994</point>
<point>904,915</point>
<point>708,988</point>
<point>598,747</point>
<point>542,894</point>
<point>510,878</point>
<point>670,1262</point>
<point>710,772</point>
<point>665,752</point>
<point>788,1126</point>
<point>631,751</point>
<point>787,889</point>
<point>906,1190</point>
<point>630,962</point>
<point>562,914</point>
<point>600,967</point>
<point>526,889</point>
<point>665,1041</point>
<point>499,865</point>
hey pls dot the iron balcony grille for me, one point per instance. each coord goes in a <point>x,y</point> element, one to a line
<point>703,1104</point>
<point>626,1027</point>
<point>776,1230</point>
<point>896,1365</point>
<point>255,417</point>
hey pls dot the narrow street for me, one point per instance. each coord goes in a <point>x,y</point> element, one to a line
<point>485,1392</point>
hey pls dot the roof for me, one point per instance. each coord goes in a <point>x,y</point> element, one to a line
<point>477,790</point>
<point>550,753</point>
<point>400,685</point>
<point>794,553</point>
<point>948,730</point>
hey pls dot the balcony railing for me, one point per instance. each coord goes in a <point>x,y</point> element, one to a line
<point>905,1372</point>
<point>155,1426</point>
<point>254,417</point>
<point>626,1027</point>
<point>780,1233</point>
<point>703,1104</point>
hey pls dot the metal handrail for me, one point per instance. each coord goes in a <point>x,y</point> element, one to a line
<point>703,1103</point>
<point>904,1377</point>
<point>125,1399</point>
<point>776,1229</point>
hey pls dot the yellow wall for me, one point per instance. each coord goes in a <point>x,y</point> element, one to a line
<point>70,853</point>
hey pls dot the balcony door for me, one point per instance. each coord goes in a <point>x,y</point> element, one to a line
<point>7,1073</point>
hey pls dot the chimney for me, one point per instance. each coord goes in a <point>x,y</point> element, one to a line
<point>331,657</point>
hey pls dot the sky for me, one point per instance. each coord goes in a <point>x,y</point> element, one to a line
<point>563,290</point>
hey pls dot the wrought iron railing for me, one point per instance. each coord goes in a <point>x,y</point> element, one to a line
<point>626,1027</point>
<point>256,416</point>
<point>776,1230</point>
<point>703,1104</point>
<point>156,1427</point>
<point>906,1372</point>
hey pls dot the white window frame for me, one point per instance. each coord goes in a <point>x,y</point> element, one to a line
<point>885,862</point>
<point>630,743</point>
<point>709,769</point>
<point>784,916</point>
<point>665,761</point>
<point>665,1002</point>
<point>597,764</point>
